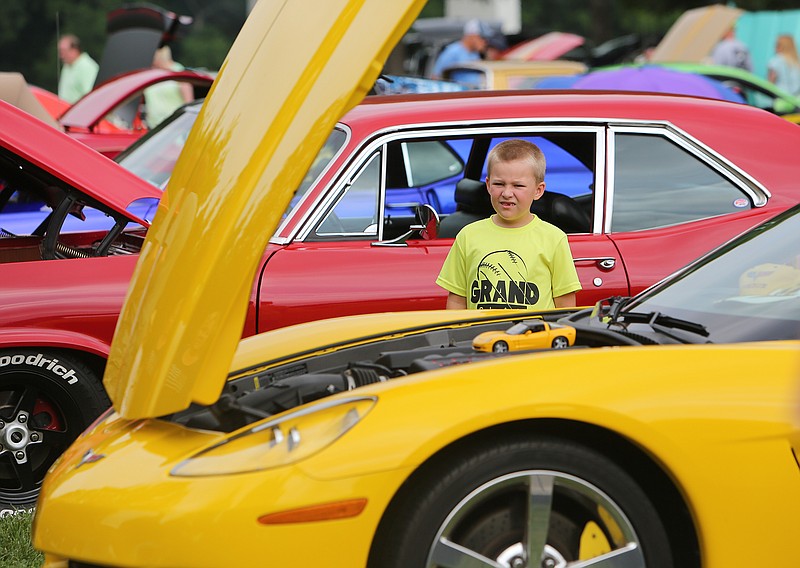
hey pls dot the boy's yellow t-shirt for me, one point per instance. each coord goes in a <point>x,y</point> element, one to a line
<point>522,268</point>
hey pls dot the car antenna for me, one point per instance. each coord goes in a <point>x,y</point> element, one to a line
<point>58,35</point>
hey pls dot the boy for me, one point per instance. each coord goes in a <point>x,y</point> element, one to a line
<point>513,259</point>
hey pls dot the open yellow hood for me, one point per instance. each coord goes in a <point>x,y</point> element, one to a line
<point>693,36</point>
<point>296,67</point>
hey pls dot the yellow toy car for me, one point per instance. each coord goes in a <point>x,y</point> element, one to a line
<point>668,440</point>
<point>527,334</point>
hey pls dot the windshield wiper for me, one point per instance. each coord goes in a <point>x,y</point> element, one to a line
<point>664,324</point>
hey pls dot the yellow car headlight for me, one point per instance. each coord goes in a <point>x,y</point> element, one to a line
<point>279,442</point>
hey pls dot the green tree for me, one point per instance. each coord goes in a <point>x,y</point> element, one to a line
<point>30,30</point>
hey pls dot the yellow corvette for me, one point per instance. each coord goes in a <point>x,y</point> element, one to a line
<point>666,436</point>
<point>528,334</point>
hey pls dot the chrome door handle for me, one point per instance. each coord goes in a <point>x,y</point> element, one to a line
<point>603,262</point>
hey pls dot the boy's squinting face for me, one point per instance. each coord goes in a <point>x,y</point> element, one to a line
<point>513,188</point>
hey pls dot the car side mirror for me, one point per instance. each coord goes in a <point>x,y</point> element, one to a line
<point>427,222</point>
<point>427,227</point>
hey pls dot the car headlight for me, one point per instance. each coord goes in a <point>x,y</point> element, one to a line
<point>283,441</point>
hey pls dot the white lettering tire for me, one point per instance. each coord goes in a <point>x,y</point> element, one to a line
<point>47,398</point>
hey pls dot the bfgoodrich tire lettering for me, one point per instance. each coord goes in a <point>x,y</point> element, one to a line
<point>47,398</point>
<point>522,502</point>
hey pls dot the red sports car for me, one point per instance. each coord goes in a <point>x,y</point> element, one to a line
<point>642,183</point>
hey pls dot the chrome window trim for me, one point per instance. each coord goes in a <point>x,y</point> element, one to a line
<point>330,197</point>
<point>322,212</point>
<point>278,240</point>
<point>608,204</point>
<point>379,140</point>
<point>716,161</point>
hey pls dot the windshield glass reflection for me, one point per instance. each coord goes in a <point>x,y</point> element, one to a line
<point>748,290</point>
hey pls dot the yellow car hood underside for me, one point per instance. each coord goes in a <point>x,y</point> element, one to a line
<point>295,69</point>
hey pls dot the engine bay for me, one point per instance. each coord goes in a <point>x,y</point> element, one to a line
<point>279,386</point>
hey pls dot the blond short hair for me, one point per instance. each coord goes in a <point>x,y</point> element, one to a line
<point>516,149</point>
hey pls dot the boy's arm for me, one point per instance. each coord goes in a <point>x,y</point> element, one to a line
<point>565,301</point>
<point>456,302</point>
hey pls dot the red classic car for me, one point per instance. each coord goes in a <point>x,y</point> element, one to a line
<point>110,117</point>
<point>642,183</point>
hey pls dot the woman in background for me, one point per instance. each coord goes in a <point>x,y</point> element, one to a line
<point>784,67</point>
<point>163,98</point>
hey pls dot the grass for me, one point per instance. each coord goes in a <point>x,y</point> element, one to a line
<point>16,550</point>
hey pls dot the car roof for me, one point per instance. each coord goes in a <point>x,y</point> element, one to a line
<point>549,104</point>
<point>715,123</point>
<point>66,158</point>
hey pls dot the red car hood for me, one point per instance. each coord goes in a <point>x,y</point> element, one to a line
<point>83,168</point>
<point>96,104</point>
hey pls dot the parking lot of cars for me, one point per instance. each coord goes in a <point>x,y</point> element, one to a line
<point>385,439</point>
<point>643,184</point>
<point>356,413</point>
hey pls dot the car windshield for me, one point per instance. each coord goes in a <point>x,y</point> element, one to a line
<point>748,290</point>
<point>518,328</point>
<point>153,157</point>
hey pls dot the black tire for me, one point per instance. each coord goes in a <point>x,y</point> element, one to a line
<point>500,347</point>
<point>560,342</point>
<point>47,398</point>
<point>476,504</point>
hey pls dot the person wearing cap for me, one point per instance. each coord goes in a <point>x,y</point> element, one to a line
<point>472,44</point>
<point>495,46</point>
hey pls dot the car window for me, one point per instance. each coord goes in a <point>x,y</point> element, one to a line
<point>423,171</point>
<point>657,184</point>
<point>417,171</point>
<point>567,170</point>
<point>758,96</point>
<point>356,212</point>
<point>153,157</point>
<point>536,327</point>
<point>425,162</point>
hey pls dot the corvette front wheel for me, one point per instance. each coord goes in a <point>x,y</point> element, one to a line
<point>47,398</point>
<point>523,504</point>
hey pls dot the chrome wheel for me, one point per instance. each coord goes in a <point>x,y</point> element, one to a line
<point>530,519</point>
<point>516,501</point>
<point>500,347</point>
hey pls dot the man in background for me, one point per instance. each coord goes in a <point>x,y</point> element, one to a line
<point>731,51</point>
<point>78,72</point>
<point>470,47</point>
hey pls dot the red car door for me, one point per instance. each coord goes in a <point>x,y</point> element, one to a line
<point>311,281</point>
